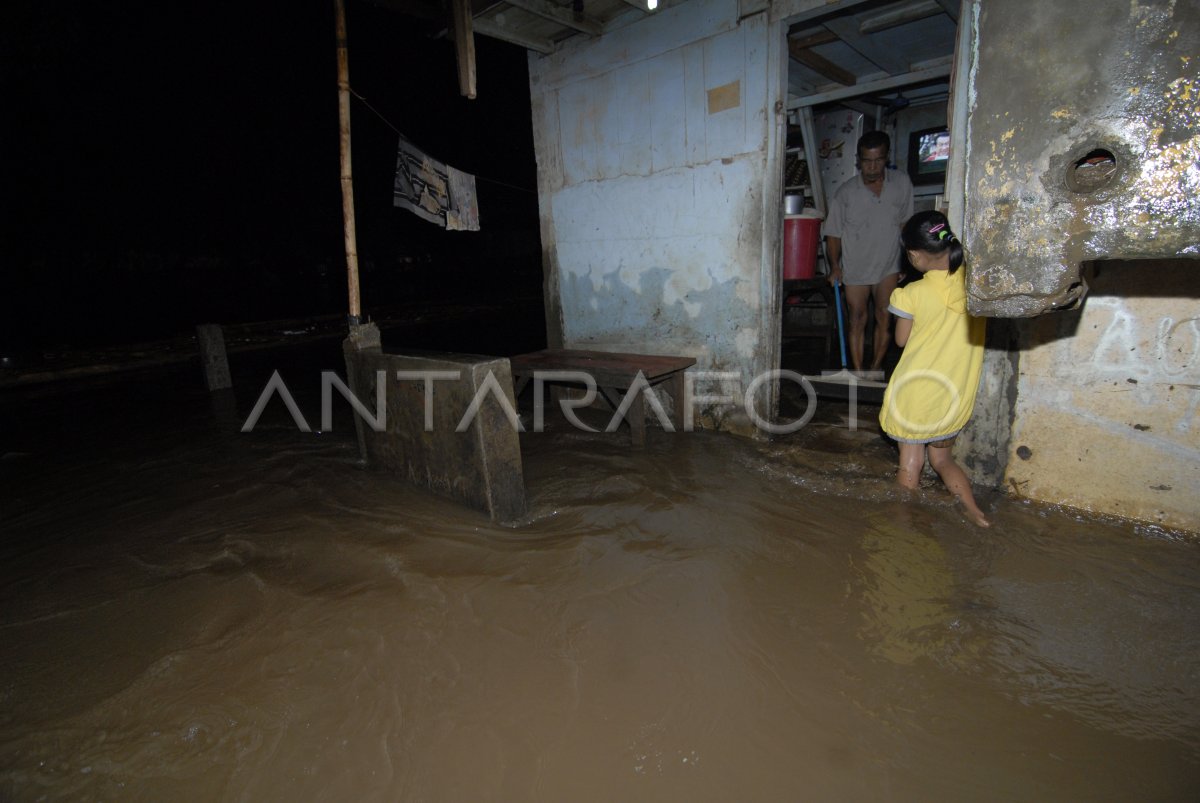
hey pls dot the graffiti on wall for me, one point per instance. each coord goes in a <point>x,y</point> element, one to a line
<point>1129,346</point>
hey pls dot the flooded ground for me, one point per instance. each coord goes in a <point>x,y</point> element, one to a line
<point>194,613</point>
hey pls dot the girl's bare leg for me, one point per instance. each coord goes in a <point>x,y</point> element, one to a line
<point>912,460</point>
<point>956,481</point>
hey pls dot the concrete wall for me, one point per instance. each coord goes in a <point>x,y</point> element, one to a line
<point>660,219</point>
<point>1052,83</point>
<point>1090,407</point>
<point>1108,397</point>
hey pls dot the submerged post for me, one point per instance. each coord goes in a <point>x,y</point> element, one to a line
<point>343,66</point>
<point>213,357</point>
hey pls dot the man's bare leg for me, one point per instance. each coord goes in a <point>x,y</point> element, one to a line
<point>882,294</point>
<point>856,299</point>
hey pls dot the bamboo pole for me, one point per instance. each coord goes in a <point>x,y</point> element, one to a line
<point>343,66</point>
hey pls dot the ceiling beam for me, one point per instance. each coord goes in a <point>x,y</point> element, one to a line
<point>880,85</point>
<point>639,6</point>
<point>813,39</point>
<point>862,108</point>
<point>563,16</point>
<point>823,10</point>
<point>821,65</point>
<point>900,14</point>
<point>952,9</point>
<point>488,27</point>
<point>847,30</point>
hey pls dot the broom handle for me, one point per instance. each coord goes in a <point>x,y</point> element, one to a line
<point>837,300</point>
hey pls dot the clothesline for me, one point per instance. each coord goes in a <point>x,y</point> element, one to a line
<point>388,123</point>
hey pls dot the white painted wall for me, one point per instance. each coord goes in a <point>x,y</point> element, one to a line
<point>653,144</point>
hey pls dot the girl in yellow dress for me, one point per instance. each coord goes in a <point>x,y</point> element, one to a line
<point>932,391</point>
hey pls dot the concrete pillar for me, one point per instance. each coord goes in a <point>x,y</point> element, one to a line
<point>983,447</point>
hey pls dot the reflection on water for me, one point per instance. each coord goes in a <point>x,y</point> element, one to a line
<point>189,612</point>
<point>906,584</point>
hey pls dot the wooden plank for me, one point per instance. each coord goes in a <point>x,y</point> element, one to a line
<point>488,27</point>
<point>894,16</point>
<point>607,368</point>
<point>952,8</point>
<point>813,39</point>
<point>613,373</point>
<point>891,82</point>
<point>822,65</point>
<point>847,30</point>
<point>464,46</point>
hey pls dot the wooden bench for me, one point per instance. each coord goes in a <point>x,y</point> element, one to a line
<point>613,373</point>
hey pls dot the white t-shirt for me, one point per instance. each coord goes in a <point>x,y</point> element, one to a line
<point>869,226</point>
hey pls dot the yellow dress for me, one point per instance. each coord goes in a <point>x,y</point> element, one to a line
<point>932,392</point>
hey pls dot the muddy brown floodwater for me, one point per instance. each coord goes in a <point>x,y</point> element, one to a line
<point>194,613</point>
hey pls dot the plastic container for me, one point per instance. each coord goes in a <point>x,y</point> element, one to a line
<point>801,233</point>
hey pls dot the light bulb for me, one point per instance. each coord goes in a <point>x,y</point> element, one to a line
<point>651,4</point>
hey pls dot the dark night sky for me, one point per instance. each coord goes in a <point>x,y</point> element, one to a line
<point>169,164</point>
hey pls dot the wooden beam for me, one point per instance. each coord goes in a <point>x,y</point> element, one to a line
<point>823,9</point>
<point>862,108</point>
<point>821,65</point>
<point>488,27</point>
<point>813,39</point>
<point>891,82</point>
<point>847,30</point>
<point>549,11</point>
<point>900,14</point>
<point>464,46</point>
<point>952,9</point>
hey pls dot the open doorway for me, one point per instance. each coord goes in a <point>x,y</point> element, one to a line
<point>869,67</point>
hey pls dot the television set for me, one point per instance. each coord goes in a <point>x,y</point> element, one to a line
<point>928,155</point>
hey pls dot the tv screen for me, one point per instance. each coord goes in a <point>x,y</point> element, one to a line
<point>928,154</point>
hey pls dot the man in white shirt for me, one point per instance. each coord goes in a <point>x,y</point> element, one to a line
<point>862,237</point>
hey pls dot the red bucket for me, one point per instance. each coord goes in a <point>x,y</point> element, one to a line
<point>801,234</point>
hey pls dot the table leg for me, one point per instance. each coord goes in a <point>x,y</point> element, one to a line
<point>637,420</point>
<point>674,385</point>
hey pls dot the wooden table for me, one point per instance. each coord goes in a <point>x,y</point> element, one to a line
<point>613,373</point>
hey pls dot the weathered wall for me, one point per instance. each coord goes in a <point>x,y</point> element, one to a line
<point>1052,83</point>
<point>652,145</point>
<point>1091,407</point>
<point>1108,396</point>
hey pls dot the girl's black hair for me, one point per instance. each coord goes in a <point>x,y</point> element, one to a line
<point>930,232</point>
